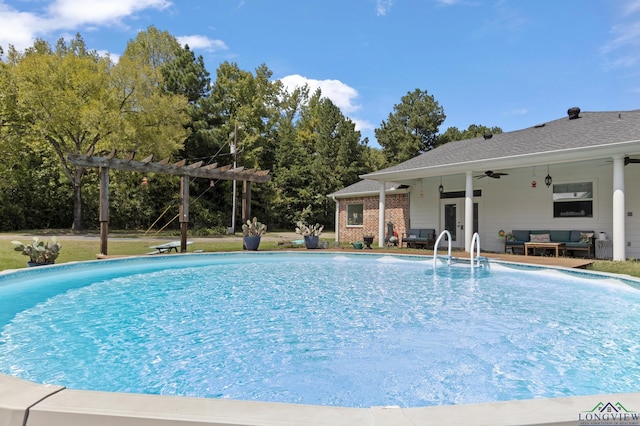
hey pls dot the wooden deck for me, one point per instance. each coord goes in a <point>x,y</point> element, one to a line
<point>565,262</point>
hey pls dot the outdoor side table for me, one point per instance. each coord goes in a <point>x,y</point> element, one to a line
<point>604,249</point>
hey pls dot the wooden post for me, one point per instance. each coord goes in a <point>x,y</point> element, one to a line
<point>246,201</point>
<point>184,211</point>
<point>104,209</point>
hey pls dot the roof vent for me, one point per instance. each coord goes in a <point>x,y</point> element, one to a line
<point>573,113</point>
<point>487,136</point>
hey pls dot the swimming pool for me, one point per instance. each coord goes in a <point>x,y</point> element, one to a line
<point>321,328</point>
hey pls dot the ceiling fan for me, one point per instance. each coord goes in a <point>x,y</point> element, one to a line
<point>492,174</point>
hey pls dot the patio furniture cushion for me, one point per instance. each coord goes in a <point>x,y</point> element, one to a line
<point>539,238</point>
<point>560,236</point>
<point>521,236</point>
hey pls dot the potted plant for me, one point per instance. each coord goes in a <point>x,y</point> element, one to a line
<point>251,233</point>
<point>311,233</point>
<point>39,252</point>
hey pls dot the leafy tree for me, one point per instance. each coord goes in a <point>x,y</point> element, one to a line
<point>244,108</point>
<point>71,100</point>
<point>318,154</point>
<point>412,127</point>
<point>473,131</point>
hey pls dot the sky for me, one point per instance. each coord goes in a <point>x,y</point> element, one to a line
<point>506,63</point>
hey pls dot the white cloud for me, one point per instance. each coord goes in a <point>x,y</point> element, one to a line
<point>363,125</point>
<point>623,35</point>
<point>202,42</point>
<point>72,13</point>
<point>21,28</point>
<point>621,51</point>
<point>104,53</point>
<point>517,111</point>
<point>632,7</point>
<point>17,28</point>
<point>341,95</point>
<point>383,6</point>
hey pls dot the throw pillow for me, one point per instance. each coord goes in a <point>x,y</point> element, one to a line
<point>539,238</point>
<point>586,237</point>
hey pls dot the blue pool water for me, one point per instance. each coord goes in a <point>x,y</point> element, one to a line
<point>356,331</point>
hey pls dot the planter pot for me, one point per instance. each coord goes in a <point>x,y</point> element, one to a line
<point>602,236</point>
<point>311,242</point>
<point>31,264</point>
<point>251,242</point>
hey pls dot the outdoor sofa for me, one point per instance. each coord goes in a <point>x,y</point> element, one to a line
<point>416,237</point>
<point>581,241</point>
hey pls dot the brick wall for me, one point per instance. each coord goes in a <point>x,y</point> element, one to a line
<point>396,211</point>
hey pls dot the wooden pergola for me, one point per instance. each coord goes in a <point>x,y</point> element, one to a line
<point>185,171</point>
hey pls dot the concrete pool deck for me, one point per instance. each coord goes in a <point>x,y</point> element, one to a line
<point>28,404</point>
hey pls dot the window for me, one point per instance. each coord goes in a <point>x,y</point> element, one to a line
<point>355,214</point>
<point>573,199</point>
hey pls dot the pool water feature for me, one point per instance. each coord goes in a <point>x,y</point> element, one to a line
<point>354,331</point>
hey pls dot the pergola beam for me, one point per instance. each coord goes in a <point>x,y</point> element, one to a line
<point>180,168</point>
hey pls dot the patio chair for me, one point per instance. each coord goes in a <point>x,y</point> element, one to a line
<point>392,235</point>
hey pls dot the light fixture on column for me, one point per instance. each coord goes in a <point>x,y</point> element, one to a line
<point>548,180</point>
<point>441,188</point>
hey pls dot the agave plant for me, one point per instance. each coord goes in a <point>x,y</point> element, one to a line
<point>39,252</point>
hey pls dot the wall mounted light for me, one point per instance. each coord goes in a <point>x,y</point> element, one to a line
<point>441,188</point>
<point>548,180</point>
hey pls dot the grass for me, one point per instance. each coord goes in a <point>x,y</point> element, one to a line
<point>629,267</point>
<point>83,248</point>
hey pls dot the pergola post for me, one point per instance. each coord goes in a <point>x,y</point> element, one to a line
<point>104,209</point>
<point>246,201</point>
<point>184,211</point>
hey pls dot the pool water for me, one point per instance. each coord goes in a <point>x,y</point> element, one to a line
<point>355,331</point>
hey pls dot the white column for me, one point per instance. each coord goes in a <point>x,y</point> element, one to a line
<point>337,219</point>
<point>381,209</point>
<point>468,212</point>
<point>618,237</point>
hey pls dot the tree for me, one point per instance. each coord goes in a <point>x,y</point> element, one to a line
<point>473,131</point>
<point>318,154</point>
<point>412,127</point>
<point>71,100</point>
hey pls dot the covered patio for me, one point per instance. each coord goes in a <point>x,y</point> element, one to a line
<point>529,179</point>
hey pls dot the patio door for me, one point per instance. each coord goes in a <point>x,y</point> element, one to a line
<point>452,219</point>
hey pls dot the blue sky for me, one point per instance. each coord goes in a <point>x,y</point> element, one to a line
<point>506,63</point>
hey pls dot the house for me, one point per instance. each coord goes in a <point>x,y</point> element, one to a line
<point>580,171</point>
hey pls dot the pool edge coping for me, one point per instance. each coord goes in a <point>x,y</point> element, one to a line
<point>24,403</point>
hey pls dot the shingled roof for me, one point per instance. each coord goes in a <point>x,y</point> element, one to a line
<point>592,135</point>
<point>367,187</point>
